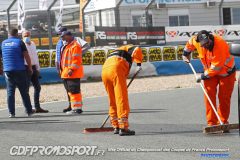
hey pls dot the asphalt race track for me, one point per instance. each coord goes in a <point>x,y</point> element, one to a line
<point>168,126</point>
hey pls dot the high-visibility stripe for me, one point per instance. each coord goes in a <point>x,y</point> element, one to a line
<point>76,55</point>
<point>75,65</point>
<point>74,103</point>
<point>67,58</point>
<point>215,68</point>
<point>206,73</point>
<point>187,50</point>
<point>224,75</point>
<point>72,65</point>
<point>114,119</point>
<point>123,120</point>
<point>228,60</point>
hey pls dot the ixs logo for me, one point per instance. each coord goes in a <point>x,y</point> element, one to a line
<point>220,32</point>
<point>174,34</point>
<point>101,35</point>
<point>132,35</point>
<point>225,32</point>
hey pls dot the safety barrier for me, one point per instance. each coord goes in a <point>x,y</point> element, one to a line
<point>98,56</point>
<point>158,60</point>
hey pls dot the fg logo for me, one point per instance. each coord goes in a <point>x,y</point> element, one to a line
<point>101,35</point>
<point>132,35</point>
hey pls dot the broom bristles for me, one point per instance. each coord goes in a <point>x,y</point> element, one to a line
<point>94,130</point>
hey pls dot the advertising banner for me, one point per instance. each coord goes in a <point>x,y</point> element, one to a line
<point>182,34</point>
<point>129,35</point>
<point>146,2</point>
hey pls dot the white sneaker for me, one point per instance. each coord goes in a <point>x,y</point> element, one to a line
<point>11,116</point>
<point>77,111</point>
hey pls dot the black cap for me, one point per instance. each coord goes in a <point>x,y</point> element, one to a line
<point>203,37</point>
<point>61,30</point>
<point>64,33</point>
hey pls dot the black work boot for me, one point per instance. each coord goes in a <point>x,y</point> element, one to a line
<point>126,132</point>
<point>226,131</point>
<point>40,110</point>
<point>67,109</point>
<point>116,131</point>
<point>76,111</point>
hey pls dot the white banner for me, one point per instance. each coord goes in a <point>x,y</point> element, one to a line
<point>95,5</point>
<point>43,5</point>
<point>146,2</point>
<point>59,20</point>
<point>21,14</point>
<point>182,34</point>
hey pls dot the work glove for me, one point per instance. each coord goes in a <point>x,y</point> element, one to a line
<point>202,77</point>
<point>186,59</point>
<point>139,67</point>
<point>70,72</point>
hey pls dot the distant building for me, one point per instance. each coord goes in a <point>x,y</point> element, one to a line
<point>161,13</point>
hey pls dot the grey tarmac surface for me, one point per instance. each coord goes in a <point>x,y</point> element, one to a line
<point>169,121</point>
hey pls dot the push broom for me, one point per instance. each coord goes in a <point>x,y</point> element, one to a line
<point>107,129</point>
<point>216,128</point>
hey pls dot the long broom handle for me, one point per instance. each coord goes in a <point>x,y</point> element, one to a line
<point>205,92</point>
<point>134,76</point>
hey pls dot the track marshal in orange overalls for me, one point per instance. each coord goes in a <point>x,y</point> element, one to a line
<point>219,72</point>
<point>114,76</point>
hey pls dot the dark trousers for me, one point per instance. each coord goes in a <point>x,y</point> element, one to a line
<point>34,79</point>
<point>18,79</point>
<point>71,85</point>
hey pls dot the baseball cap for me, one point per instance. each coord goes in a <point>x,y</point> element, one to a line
<point>64,33</point>
<point>61,30</point>
<point>203,37</point>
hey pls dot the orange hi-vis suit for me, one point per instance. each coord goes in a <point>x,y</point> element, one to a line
<point>114,75</point>
<point>217,66</point>
<point>71,59</point>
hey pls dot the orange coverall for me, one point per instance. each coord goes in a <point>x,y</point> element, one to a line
<point>216,65</point>
<point>114,75</point>
<point>71,59</point>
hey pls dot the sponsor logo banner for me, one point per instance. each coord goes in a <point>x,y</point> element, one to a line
<point>182,34</point>
<point>129,35</point>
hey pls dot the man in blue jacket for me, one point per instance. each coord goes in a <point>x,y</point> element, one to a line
<point>16,74</point>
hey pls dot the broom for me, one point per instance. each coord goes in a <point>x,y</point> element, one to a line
<point>216,128</point>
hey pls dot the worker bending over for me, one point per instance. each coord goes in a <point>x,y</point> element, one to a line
<point>114,75</point>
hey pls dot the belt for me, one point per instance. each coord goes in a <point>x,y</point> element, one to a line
<point>123,56</point>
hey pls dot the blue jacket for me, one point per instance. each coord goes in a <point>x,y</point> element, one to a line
<point>58,51</point>
<point>12,54</point>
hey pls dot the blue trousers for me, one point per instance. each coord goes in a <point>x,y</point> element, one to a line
<point>20,80</point>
